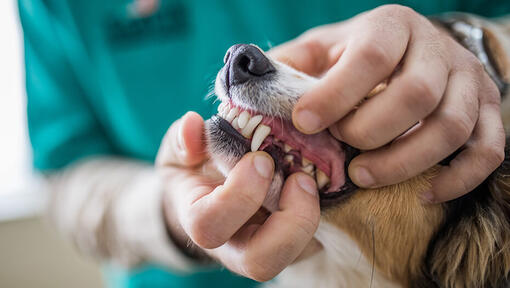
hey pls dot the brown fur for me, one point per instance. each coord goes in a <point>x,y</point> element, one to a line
<point>394,219</point>
<point>476,251</point>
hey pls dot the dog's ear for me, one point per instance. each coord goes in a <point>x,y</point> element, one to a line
<point>472,249</point>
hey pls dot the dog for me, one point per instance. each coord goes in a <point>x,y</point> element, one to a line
<point>385,237</point>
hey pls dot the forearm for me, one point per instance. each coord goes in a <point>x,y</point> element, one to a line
<point>111,208</point>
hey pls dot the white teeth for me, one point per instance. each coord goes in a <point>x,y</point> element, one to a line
<point>305,162</point>
<point>243,119</point>
<point>309,169</point>
<point>322,179</point>
<point>232,114</point>
<point>221,107</point>
<point>286,148</point>
<point>258,137</point>
<point>235,123</point>
<point>289,158</point>
<point>247,131</point>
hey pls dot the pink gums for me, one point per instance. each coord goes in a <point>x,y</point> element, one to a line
<point>321,148</point>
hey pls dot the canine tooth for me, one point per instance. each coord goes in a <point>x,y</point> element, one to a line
<point>305,162</point>
<point>243,119</point>
<point>232,114</point>
<point>289,158</point>
<point>247,131</point>
<point>321,178</point>
<point>258,137</point>
<point>286,148</point>
<point>235,123</point>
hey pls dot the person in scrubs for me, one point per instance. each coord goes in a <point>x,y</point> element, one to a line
<point>106,80</point>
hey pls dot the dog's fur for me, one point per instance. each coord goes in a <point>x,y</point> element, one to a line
<point>385,237</point>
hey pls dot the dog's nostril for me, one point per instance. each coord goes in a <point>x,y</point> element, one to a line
<point>246,62</point>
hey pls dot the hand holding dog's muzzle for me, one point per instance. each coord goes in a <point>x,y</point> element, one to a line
<point>223,218</point>
<point>438,99</point>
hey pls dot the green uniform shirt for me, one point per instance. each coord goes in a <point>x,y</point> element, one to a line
<point>102,79</point>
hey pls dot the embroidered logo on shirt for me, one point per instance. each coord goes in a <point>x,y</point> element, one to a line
<point>143,8</point>
<point>146,20</point>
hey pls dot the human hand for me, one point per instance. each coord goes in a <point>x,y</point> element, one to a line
<point>439,99</point>
<point>224,216</point>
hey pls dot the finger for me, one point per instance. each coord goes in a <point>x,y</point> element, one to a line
<point>311,249</point>
<point>482,155</point>
<point>409,98</point>
<point>214,217</point>
<point>442,133</point>
<point>313,52</point>
<point>284,235</point>
<point>183,144</point>
<point>366,62</point>
<point>310,57</point>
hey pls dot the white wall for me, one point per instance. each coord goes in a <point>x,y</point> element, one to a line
<point>17,195</point>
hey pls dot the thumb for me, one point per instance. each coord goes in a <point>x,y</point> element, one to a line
<point>308,56</point>
<point>183,143</point>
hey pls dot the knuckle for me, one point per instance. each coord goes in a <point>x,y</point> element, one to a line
<point>307,222</point>
<point>374,54</point>
<point>492,94</point>
<point>456,127</point>
<point>251,268</point>
<point>242,197</point>
<point>401,171</point>
<point>421,96</point>
<point>360,137</point>
<point>201,231</point>
<point>476,65</point>
<point>395,10</point>
<point>494,155</point>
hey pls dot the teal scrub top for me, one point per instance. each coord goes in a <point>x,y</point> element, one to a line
<point>102,79</point>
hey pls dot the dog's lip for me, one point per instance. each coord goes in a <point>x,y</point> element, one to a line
<point>326,198</point>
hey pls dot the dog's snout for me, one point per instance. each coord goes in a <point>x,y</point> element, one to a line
<point>245,62</point>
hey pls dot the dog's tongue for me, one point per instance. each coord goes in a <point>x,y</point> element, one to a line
<point>322,149</point>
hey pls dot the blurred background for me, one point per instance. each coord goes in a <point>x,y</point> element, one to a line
<point>31,253</point>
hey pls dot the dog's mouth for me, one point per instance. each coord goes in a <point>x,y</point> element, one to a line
<point>320,155</point>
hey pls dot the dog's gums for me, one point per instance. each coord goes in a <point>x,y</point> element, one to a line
<point>319,155</point>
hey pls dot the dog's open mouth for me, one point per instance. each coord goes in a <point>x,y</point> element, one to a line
<point>320,155</point>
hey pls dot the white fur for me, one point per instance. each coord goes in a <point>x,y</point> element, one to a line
<point>340,264</point>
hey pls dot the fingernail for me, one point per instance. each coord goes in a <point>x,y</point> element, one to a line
<point>263,165</point>
<point>363,177</point>
<point>308,121</point>
<point>307,184</point>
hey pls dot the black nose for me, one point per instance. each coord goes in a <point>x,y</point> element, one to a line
<point>244,62</point>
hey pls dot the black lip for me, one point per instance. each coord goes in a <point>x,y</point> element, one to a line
<point>348,189</point>
<point>326,199</point>
<point>225,126</point>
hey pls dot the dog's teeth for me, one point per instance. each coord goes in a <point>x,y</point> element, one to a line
<point>305,162</point>
<point>310,169</point>
<point>289,158</point>
<point>286,148</point>
<point>235,123</point>
<point>247,131</point>
<point>243,119</point>
<point>232,114</point>
<point>221,107</point>
<point>258,137</point>
<point>321,178</point>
